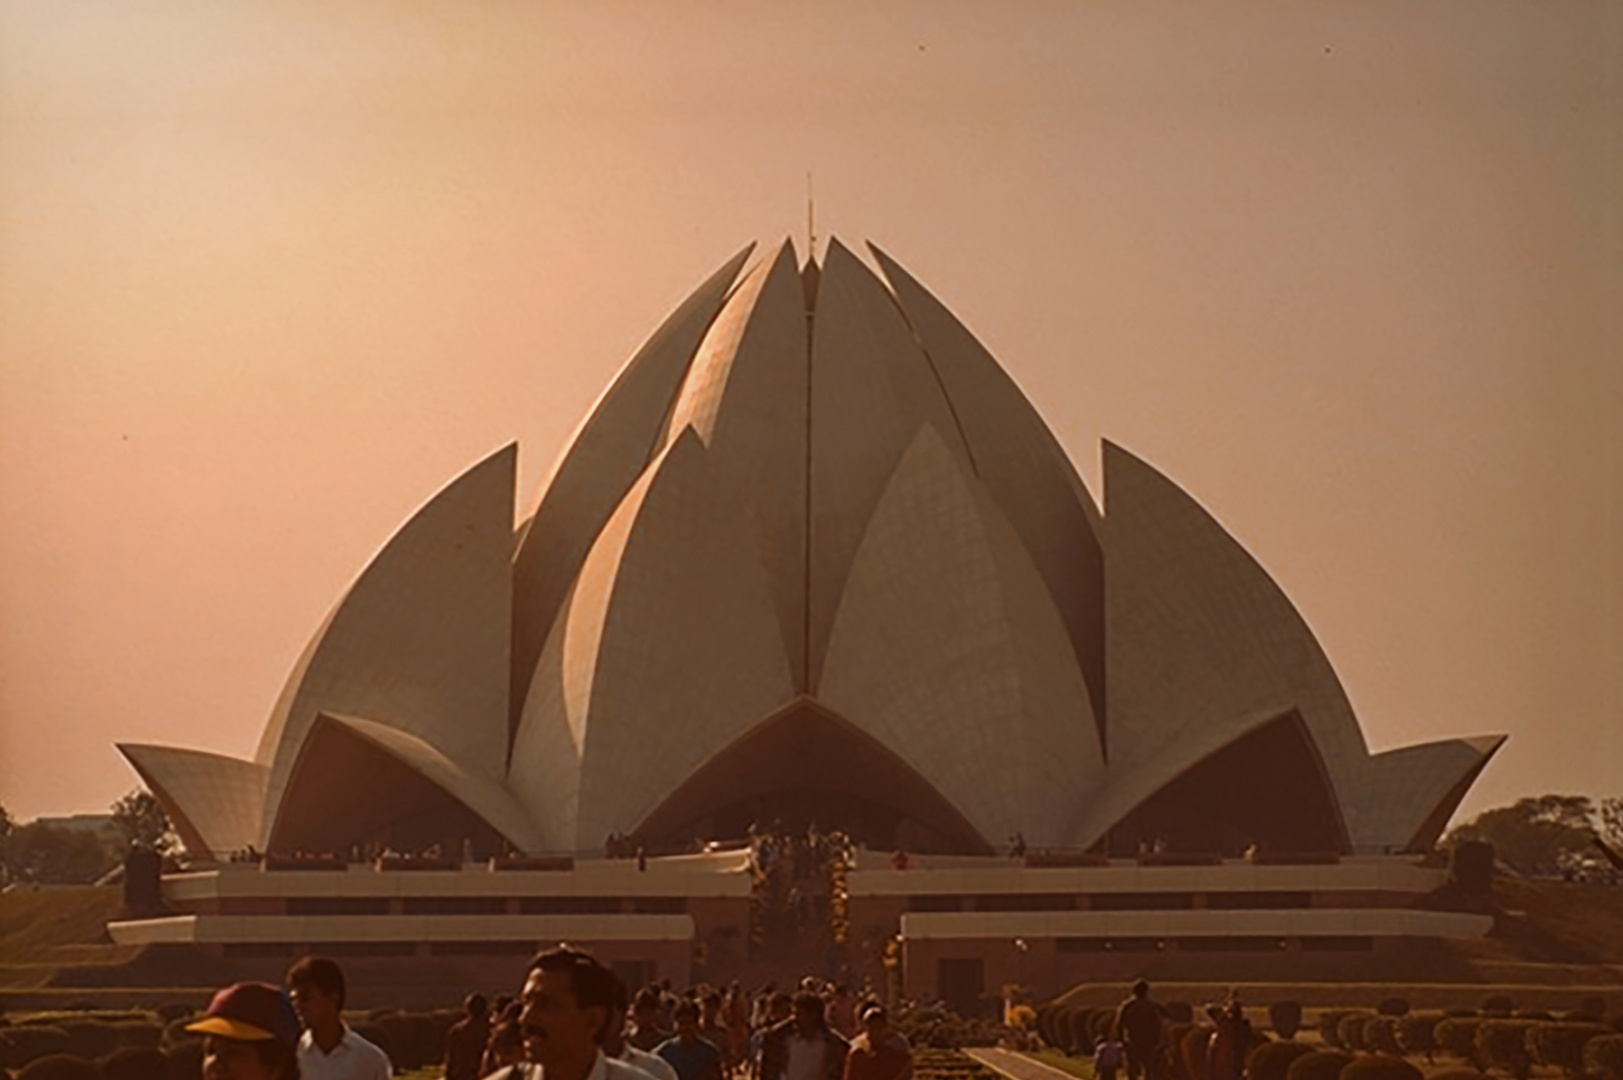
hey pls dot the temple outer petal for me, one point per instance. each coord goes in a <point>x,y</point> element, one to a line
<point>600,463</point>
<point>213,801</point>
<point>353,776</point>
<point>1409,793</point>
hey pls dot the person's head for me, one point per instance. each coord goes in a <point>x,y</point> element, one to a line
<point>476,1006</point>
<point>506,1044</point>
<point>645,1009</point>
<point>875,1021</point>
<point>1141,988</point>
<point>711,1002</point>
<point>808,1012</point>
<point>250,1032</point>
<point>316,986</point>
<point>567,999</point>
<point>686,1016</point>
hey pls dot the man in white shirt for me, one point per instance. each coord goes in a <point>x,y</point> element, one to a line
<point>567,998</point>
<point>329,1049</point>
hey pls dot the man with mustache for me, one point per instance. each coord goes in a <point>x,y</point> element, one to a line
<point>567,999</point>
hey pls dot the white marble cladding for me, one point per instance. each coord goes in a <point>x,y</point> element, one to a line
<point>1386,875</point>
<point>1318,922</point>
<point>810,484</point>
<point>317,929</point>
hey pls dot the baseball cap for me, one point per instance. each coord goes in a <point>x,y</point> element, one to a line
<point>252,1012</point>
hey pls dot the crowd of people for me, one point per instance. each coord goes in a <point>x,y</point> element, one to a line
<point>573,1019</point>
<point>1137,1044</point>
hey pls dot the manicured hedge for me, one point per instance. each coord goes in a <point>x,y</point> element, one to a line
<point>134,1063</point>
<point>1380,1036</point>
<point>59,1067</point>
<point>1319,1065</point>
<point>1457,1035</point>
<point>1603,1056</point>
<point>1379,1067</point>
<point>24,1043</point>
<point>1562,1044</point>
<point>1272,1060</point>
<point>1350,1031</point>
<point>1502,1044</point>
<point>1417,1033</point>
<point>1285,1017</point>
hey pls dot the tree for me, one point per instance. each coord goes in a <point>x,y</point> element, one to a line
<point>56,854</point>
<point>6,824</point>
<point>1543,835</point>
<point>1611,822</point>
<point>140,819</point>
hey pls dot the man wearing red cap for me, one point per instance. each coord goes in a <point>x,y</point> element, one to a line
<point>250,1032</point>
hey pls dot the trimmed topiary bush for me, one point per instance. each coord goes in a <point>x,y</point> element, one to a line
<point>1498,1005</point>
<point>1562,1044</point>
<point>26,1042</point>
<point>1179,1012</point>
<point>1350,1031</point>
<point>134,1063</point>
<point>1285,1017</point>
<point>59,1067</point>
<point>1502,1044</point>
<point>140,1034</point>
<point>1417,1033</point>
<point>1330,1025</point>
<point>1080,1023</point>
<point>1393,1006</point>
<point>1458,1074</point>
<point>1319,1065</point>
<point>1457,1035</point>
<point>1380,1036</point>
<point>1603,1056</point>
<point>1591,1009</point>
<point>174,1010</point>
<point>1459,1011</point>
<point>1379,1067</point>
<point>1194,1049</point>
<point>1272,1060</point>
<point>184,1060</point>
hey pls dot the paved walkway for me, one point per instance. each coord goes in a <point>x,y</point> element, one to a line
<point>1016,1066</point>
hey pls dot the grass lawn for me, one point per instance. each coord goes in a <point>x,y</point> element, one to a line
<point>1076,1066</point>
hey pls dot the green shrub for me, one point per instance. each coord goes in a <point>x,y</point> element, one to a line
<point>1379,1067</point>
<point>184,1060</point>
<point>1285,1017</point>
<point>1417,1033</point>
<point>1603,1056</point>
<point>59,1067</point>
<point>1459,1012</point>
<point>1502,1044</point>
<point>1392,1006</point>
<point>1272,1060</point>
<point>1532,1014</point>
<point>1194,1048</point>
<point>175,1033</point>
<point>1330,1026</point>
<point>1458,1074</point>
<point>134,1063</point>
<point>1457,1035</point>
<point>1172,1037</point>
<point>1319,1065</point>
<point>140,1034</point>
<point>27,1042</point>
<point>1498,1005</point>
<point>1562,1045</point>
<point>1380,1036</point>
<point>1179,1012</point>
<point>1079,1030</point>
<point>90,1039</point>
<point>1592,1009</point>
<point>1350,1031</point>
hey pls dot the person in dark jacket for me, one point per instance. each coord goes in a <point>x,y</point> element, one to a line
<point>803,1047</point>
<point>1138,1027</point>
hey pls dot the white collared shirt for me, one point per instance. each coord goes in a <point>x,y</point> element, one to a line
<point>354,1058</point>
<point>652,1064</point>
<point>605,1068</point>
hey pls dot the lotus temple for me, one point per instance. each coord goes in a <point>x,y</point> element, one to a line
<point>812,560</point>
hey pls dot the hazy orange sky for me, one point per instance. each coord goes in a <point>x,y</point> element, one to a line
<point>273,273</point>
